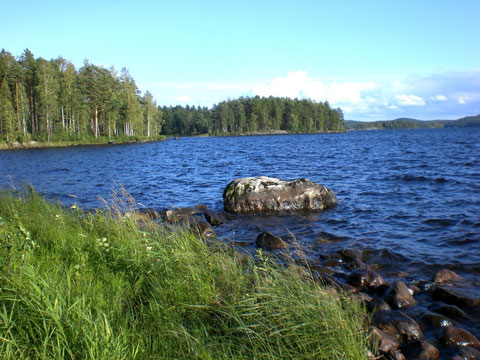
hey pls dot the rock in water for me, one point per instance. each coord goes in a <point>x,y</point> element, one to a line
<point>270,241</point>
<point>265,194</point>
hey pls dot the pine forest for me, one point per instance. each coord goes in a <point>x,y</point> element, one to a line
<point>51,100</point>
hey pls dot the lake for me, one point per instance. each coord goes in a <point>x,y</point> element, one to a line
<point>409,199</point>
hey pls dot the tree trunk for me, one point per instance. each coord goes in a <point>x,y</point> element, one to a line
<point>96,122</point>
<point>16,103</point>
<point>31,110</point>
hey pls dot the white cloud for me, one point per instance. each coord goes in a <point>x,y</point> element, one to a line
<point>410,100</point>
<point>299,85</point>
<point>447,95</point>
<point>439,98</point>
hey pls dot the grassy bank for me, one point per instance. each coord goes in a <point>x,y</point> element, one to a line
<point>94,286</point>
<point>81,142</point>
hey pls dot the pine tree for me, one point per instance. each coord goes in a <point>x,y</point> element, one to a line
<point>7,114</point>
<point>150,111</point>
<point>47,95</point>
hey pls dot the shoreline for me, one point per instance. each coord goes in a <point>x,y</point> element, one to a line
<point>15,145</point>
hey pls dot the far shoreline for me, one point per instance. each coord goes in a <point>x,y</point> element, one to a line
<point>15,145</point>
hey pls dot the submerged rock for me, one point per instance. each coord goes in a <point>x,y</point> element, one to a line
<point>446,276</point>
<point>397,323</point>
<point>265,194</point>
<point>212,217</point>
<point>180,215</point>
<point>365,278</point>
<point>435,320</point>
<point>421,350</point>
<point>399,296</point>
<point>270,241</point>
<point>384,342</point>
<point>448,310</point>
<point>452,336</point>
<point>457,294</point>
<point>468,353</point>
<point>377,304</point>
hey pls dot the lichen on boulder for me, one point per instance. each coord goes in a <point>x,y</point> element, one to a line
<point>266,195</point>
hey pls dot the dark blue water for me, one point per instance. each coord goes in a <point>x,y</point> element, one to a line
<point>410,199</point>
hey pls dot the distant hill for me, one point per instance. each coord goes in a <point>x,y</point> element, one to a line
<point>407,123</point>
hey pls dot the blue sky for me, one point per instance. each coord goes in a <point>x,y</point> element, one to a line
<point>374,59</point>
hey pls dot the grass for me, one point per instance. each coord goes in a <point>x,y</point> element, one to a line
<point>77,285</point>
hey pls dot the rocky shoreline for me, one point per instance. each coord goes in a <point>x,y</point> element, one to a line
<point>436,318</point>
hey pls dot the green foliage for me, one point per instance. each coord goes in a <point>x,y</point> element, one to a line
<point>7,114</point>
<point>52,100</point>
<point>82,285</point>
<point>254,115</point>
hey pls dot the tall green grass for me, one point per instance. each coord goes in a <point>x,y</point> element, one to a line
<point>76,285</point>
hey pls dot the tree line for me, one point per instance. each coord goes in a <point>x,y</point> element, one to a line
<point>51,100</point>
<point>253,115</point>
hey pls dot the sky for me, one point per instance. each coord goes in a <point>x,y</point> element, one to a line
<point>376,60</point>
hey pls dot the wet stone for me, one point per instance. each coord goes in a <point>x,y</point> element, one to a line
<point>451,336</point>
<point>436,320</point>
<point>365,278</point>
<point>399,296</point>
<point>457,295</point>
<point>269,241</point>
<point>212,217</point>
<point>421,350</point>
<point>352,258</point>
<point>180,215</point>
<point>377,305</point>
<point>203,228</point>
<point>397,322</point>
<point>448,310</point>
<point>384,342</point>
<point>331,263</point>
<point>468,353</point>
<point>446,276</point>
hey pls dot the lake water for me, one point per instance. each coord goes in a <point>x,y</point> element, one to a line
<point>410,199</point>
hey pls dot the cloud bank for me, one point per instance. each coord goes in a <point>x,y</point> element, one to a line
<point>447,95</point>
<point>438,96</point>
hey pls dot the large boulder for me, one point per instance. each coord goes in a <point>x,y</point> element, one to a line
<point>265,194</point>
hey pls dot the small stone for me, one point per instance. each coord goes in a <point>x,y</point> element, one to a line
<point>362,278</point>
<point>421,350</point>
<point>384,342</point>
<point>270,241</point>
<point>212,217</point>
<point>331,263</point>
<point>436,320</point>
<point>452,336</point>
<point>377,305</point>
<point>468,353</point>
<point>396,322</point>
<point>204,229</point>
<point>457,295</point>
<point>448,310</point>
<point>446,276</point>
<point>179,215</point>
<point>399,296</point>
